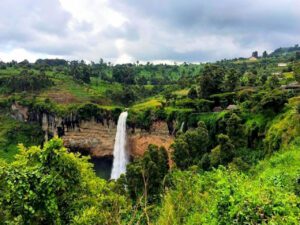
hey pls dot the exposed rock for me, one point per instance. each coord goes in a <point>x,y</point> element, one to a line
<point>95,138</point>
<point>232,107</point>
<point>159,135</point>
<point>19,112</point>
<point>217,109</point>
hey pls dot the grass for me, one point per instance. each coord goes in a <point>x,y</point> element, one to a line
<point>169,110</point>
<point>182,92</point>
<point>151,103</point>
<point>13,132</point>
<point>282,169</point>
<point>289,75</point>
<point>283,130</point>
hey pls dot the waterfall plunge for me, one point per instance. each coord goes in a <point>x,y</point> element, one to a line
<point>120,154</point>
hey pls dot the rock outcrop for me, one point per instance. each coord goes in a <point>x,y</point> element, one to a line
<point>19,112</point>
<point>92,137</point>
<point>97,139</point>
<point>159,135</point>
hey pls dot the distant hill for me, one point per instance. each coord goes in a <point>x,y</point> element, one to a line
<point>285,50</point>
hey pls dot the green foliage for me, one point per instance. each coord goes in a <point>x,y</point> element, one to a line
<point>144,176</point>
<point>190,147</point>
<point>225,196</point>
<point>297,72</point>
<point>273,82</point>
<point>13,132</point>
<point>223,99</point>
<point>124,74</point>
<point>89,111</point>
<point>235,129</point>
<point>192,93</point>
<point>52,186</point>
<point>142,119</point>
<point>223,153</point>
<point>283,130</point>
<point>26,81</point>
<point>80,71</point>
<point>211,80</point>
<point>273,101</point>
<point>231,81</point>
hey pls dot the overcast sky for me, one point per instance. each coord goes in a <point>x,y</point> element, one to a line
<point>147,30</point>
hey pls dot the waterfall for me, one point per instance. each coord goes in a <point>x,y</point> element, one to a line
<point>120,155</point>
<point>181,127</point>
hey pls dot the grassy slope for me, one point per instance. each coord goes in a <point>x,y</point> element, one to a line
<point>13,132</point>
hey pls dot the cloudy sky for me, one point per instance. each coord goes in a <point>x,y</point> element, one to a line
<point>158,30</point>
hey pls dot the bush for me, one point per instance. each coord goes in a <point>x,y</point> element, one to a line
<point>232,197</point>
<point>144,176</point>
<point>53,186</point>
<point>190,147</point>
<point>26,81</point>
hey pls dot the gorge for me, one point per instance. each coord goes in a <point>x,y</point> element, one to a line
<point>96,137</point>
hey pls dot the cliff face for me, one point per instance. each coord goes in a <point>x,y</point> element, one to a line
<point>159,135</point>
<point>95,138</point>
<point>92,137</point>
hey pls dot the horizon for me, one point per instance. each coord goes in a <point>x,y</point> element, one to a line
<point>154,62</point>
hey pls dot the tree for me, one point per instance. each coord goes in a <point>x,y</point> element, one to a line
<point>124,73</point>
<point>297,55</point>
<point>192,94</point>
<point>273,81</point>
<point>80,71</point>
<point>223,153</point>
<point>265,54</point>
<point>142,80</point>
<point>234,128</point>
<point>251,78</point>
<point>273,101</point>
<point>27,81</point>
<point>297,72</point>
<point>211,80</point>
<point>231,80</point>
<point>52,186</point>
<point>190,147</point>
<point>144,176</point>
<point>255,54</point>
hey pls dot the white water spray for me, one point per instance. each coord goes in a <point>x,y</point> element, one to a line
<point>181,127</point>
<point>120,154</point>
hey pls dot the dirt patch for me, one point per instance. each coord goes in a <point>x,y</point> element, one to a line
<point>62,97</point>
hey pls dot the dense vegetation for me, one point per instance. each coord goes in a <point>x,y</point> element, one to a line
<point>235,158</point>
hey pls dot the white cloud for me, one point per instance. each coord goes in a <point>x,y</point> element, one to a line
<point>20,54</point>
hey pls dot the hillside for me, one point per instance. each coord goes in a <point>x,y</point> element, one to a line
<point>213,143</point>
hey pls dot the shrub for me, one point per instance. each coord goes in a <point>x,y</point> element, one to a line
<point>53,186</point>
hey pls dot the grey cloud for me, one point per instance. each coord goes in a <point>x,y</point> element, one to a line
<point>127,31</point>
<point>250,23</point>
<point>43,27</point>
<point>194,30</point>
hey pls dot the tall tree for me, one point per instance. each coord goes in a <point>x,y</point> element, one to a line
<point>231,81</point>
<point>144,176</point>
<point>124,73</point>
<point>211,80</point>
<point>190,147</point>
